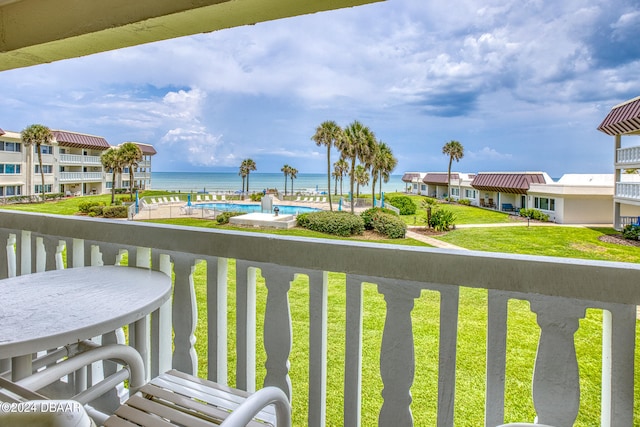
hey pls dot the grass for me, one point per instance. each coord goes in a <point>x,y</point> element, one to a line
<point>464,214</point>
<point>564,242</point>
<point>522,336</point>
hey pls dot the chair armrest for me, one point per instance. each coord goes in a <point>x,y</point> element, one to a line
<point>244,413</point>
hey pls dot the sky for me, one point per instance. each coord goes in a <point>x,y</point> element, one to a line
<point>522,85</point>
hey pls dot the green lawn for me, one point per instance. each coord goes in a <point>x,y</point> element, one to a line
<point>464,214</point>
<point>565,242</point>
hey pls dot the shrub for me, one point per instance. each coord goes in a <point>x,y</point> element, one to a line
<point>303,220</point>
<point>86,206</point>
<point>534,214</point>
<point>95,210</point>
<point>465,202</point>
<point>342,224</point>
<point>370,213</point>
<point>223,218</point>
<point>404,203</point>
<point>256,197</point>
<point>631,232</point>
<point>114,212</point>
<point>389,225</point>
<point>442,219</point>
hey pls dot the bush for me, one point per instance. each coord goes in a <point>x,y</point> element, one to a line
<point>95,211</point>
<point>534,214</point>
<point>256,197</point>
<point>370,213</point>
<point>86,206</point>
<point>342,224</point>
<point>223,218</point>
<point>114,212</point>
<point>465,202</point>
<point>303,220</point>
<point>389,225</point>
<point>442,219</point>
<point>631,232</point>
<point>404,203</point>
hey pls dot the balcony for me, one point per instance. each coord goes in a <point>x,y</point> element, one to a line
<point>558,291</point>
<point>79,159</point>
<point>81,176</point>
<point>628,190</point>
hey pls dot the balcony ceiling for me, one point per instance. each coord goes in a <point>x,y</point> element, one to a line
<point>35,32</point>
<point>623,119</point>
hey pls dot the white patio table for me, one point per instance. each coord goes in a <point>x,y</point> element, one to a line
<point>47,310</point>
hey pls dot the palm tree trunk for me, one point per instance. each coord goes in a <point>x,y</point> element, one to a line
<point>113,187</point>
<point>285,185</point>
<point>329,175</point>
<point>292,185</point>
<point>248,182</point>
<point>373,187</point>
<point>449,178</point>
<point>353,177</point>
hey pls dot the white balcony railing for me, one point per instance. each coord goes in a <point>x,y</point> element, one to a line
<point>558,291</point>
<point>628,155</point>
<point>628,190</point>
<point>79,159</point>
<point>80,176</point>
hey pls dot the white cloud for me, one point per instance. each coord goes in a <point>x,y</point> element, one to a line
<point>488,153</point>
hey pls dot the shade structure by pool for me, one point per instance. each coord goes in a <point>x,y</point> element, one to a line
<point>250,208</point>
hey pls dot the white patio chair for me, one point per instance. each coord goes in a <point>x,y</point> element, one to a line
<point>165,200</point>
<point>206,198</point>
<point>198,198</point>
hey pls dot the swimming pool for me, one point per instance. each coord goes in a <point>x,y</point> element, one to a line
<point>251,208</point>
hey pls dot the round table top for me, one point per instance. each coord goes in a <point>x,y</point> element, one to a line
<point>46,310</point>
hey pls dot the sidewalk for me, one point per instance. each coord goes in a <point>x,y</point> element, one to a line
<point>430,240</point>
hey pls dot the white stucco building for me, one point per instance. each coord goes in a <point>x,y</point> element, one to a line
<point>71,166</point>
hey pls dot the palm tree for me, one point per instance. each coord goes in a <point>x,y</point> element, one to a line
<point>390,164</point>
<point>131,156</point>
<point>37,135</point>
<point>454,150</point>
<point>286,169</point>
<point>249,165</point>
<point>328,134</point>
<point>362,178</point>
<point>341,168</point>
<point>357,144</point>
<point>112,160</point>
<point>293,173</point>
<point>243,173</point>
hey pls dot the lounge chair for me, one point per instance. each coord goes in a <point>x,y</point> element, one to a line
<point>297,199</point>
<point>198,198</point>
<point>206,198</point>
<point>164,199</point>
<point>324,200</point>
<point>154,201</point>
<point>222,197</point>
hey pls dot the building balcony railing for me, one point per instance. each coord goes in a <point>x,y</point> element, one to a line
<point>558,292</point>
<point>628,190</point>
<point>80,176</point>
<point>79,159</point>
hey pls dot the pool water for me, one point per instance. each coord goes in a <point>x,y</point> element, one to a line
<point>251,208</point>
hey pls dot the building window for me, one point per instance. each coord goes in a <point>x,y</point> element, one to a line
<point>544,203</point>
<point>44,149</point>
<point>109,184</point>
<point>10,146</point>
<point>12,190</point>
<point>47,188</point>
<point>470,194</point>
<point>45,168</point>
<point>9,169</point>
<point>455,192</point>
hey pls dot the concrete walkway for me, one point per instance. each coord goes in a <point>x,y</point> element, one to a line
<point>430,240</point>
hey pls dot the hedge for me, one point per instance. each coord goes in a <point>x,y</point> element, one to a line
<point>389,225</point>
<point>369,213</point>
<point>404,203</point>
<point>342,224</point>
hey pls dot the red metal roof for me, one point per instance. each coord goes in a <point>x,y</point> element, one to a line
<point>147,149</point>
<point>409,177</point>
<point>1,132</point>
<point>438,178</point>
<point>514,183</point>
<point>80,140</point>
<point>623,118</point>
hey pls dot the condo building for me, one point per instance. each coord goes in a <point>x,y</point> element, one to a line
<point>71,166</point>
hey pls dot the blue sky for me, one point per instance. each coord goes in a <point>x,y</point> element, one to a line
<point>521,84</point>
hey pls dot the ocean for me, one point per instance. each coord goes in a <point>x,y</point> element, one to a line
<point>219,181</point>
